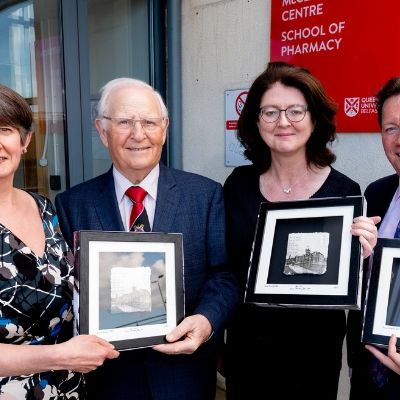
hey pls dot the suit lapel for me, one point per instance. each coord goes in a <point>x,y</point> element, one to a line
<point>167,201</point>
<point>388,193</point>
<point>378,203</point>
<point>106,205</point>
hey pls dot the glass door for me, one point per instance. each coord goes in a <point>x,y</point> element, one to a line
<point>57,54</point>
<point>118,34</point>
<point>30,63</point>
<point>103,40</point>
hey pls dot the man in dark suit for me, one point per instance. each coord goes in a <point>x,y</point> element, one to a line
<point>370,379</point>
<point>132,124</point>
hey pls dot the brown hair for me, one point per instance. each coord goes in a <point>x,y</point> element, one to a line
<point>389,89</point>
<point>321,107</point>
<point>15,111</point>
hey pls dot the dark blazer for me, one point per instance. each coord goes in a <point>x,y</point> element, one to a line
<point>189,204</point>
<point>379,195</point>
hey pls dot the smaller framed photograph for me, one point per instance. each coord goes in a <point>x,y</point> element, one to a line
<point>130,286</point>
<point>304,254</point>
<point>382,307</point>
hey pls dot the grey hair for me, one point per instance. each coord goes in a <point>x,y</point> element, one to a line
<point>119,83</point>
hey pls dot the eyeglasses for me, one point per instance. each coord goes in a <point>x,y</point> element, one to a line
<point>295,113</point>
<point>126,125</point>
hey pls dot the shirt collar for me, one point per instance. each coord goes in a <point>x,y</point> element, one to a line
<point>397,193</point>
<point>149,183</point>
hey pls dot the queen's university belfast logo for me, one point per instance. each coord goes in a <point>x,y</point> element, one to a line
<point>351,106</point>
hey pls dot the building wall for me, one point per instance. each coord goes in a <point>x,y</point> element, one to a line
<point>225,45</point>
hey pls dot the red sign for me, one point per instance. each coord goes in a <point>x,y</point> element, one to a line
<point>231,125</point>
<point>350,46</point>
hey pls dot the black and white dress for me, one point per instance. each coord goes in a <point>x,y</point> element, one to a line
<point>36,306</point>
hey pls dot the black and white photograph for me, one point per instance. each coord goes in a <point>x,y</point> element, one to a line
<point>382,311</point>
<point>393,309</point>
<point>132,289</point>
<point>307,253</point>
<point>130,286</point>
<point>304,254</point>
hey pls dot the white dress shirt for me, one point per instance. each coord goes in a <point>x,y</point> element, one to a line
<point>388,226</point>
<point>149,184</point>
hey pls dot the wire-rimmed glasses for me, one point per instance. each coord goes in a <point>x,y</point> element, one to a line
<point>294,113</point>
<point>126,125</point>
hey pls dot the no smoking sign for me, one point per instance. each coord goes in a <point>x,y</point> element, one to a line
<point>239,103</point>
<point>234,103</point>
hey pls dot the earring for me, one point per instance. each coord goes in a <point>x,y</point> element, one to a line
<point>24,150</point>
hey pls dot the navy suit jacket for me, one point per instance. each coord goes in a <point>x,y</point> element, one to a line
<point>189,204</point>
<point>379,195</point>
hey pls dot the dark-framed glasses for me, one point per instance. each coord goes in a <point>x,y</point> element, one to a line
<point>126,125</point>
<point>294,113</point>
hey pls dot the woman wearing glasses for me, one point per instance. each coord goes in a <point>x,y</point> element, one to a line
<point>285,127</point>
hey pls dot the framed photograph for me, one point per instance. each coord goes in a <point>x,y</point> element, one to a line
<point>304,254</point>
<point>382,309</point>
<point>130,286</point>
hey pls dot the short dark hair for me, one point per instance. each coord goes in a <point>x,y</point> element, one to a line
<point>389,89</point>
<point>321,107</point>
<point>15,111</point>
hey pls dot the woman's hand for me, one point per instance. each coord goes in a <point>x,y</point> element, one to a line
<point>365,229</point>
<point>84,353</point>
<point>81,353</point>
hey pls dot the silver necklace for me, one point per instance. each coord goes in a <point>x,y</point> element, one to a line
<point>288,190</point>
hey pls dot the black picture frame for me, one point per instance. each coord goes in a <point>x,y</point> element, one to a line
<point>382,305</point>
<point>130,286</point>
<point>304,254</point>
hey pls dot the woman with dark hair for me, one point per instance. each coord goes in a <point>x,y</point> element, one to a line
<point>285,127</point>
<point>39,359</point>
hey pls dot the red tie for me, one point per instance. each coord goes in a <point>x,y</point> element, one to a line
<point>137,195</point>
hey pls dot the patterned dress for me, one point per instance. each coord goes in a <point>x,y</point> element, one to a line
<point>36,307</point>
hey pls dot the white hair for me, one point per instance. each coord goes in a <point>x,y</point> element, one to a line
<point>119,83</point>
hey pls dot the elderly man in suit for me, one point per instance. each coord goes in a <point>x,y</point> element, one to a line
<point>370,379</point>
<point>132,122</point>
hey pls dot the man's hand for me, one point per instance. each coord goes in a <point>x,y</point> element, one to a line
<point>392,360</point>
<point>194,331</point>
